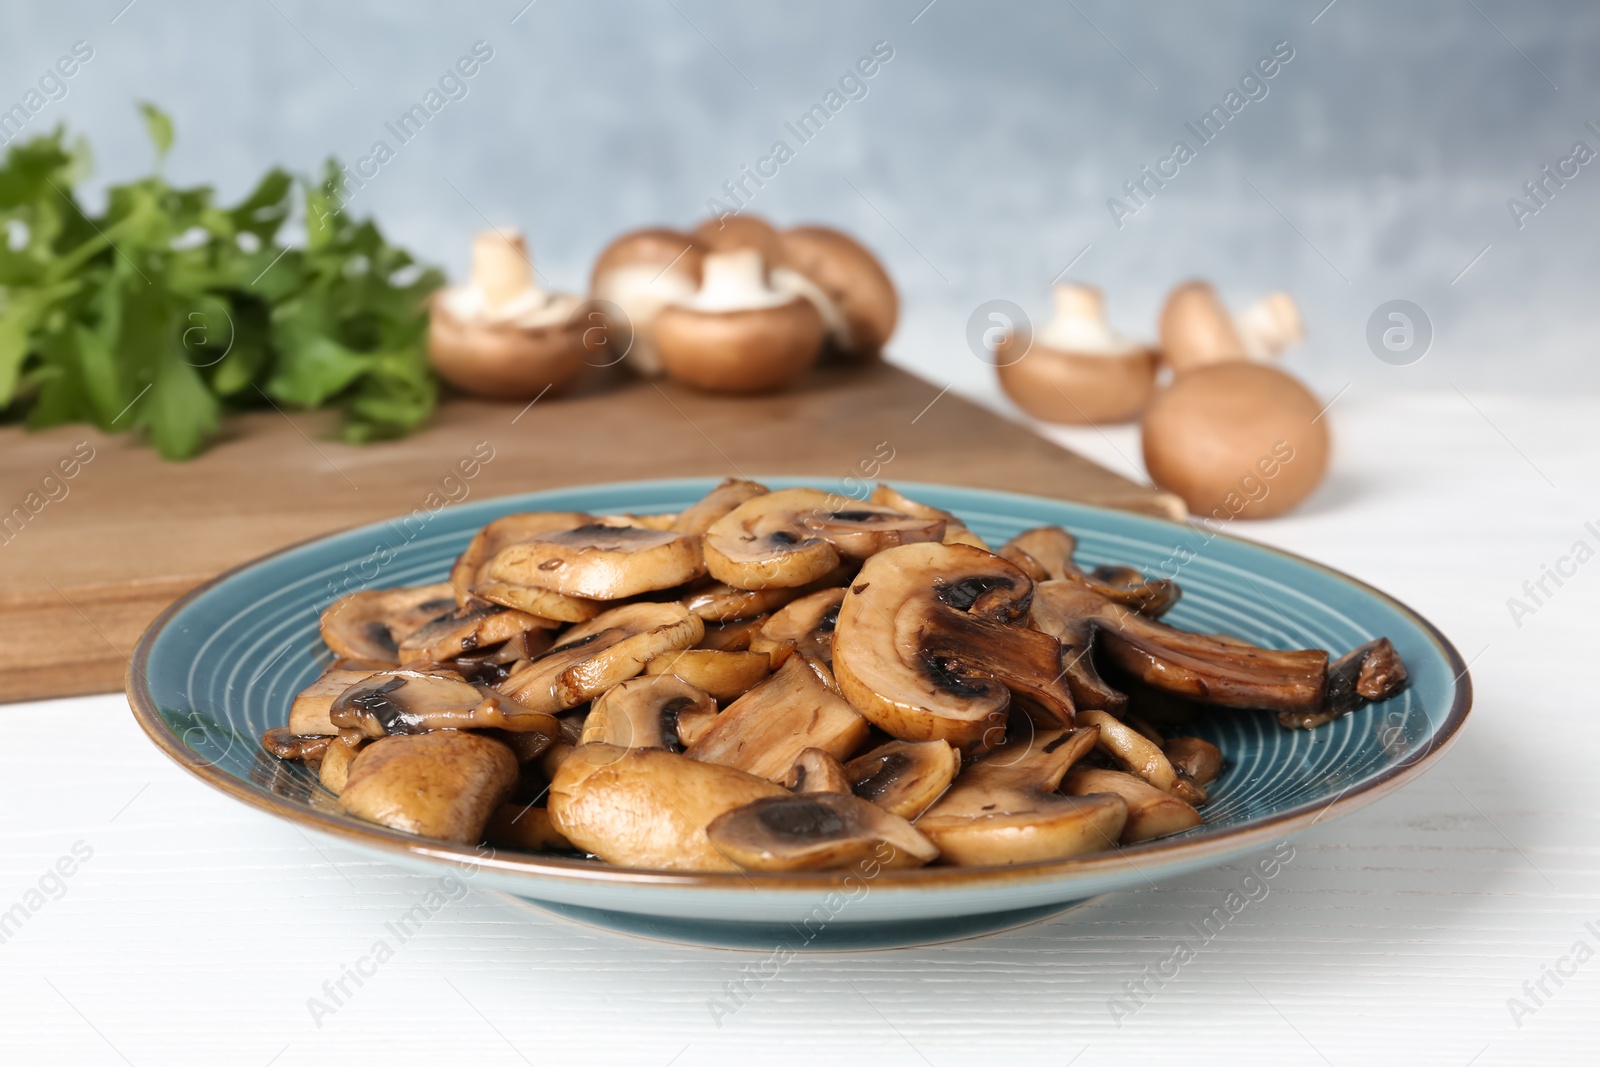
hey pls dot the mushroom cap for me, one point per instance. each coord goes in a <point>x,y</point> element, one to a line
<point>852,280</point>
<point>647,807</point>
<point>502,360</point>
<point>409,701</point>
<point>1236,440</point>
<point>371,623</point>
<point>1073,388</point>
<point>666,250</point>
<point>732,232</point>
<point>443,784</point>
<point>753,350</point>
<point>816,771</point>
<point>817,832</point>
<point>600,562</point>
<point>643,712</point>
<point>1196,329</point>
<point>927,646</point>
<point>904,777</point>
<point>642,272</point>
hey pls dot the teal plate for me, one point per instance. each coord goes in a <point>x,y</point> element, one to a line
<point>221,666</point>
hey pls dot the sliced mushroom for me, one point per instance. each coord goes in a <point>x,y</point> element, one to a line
<point>731,636</point>
<point>645,712</point>
<point>904,777</point>
<point>725,675</point>
<point>1151,812</point>
<point>287,745</point>
<point>600,562</point>
<point>647,807</point>
<point>736,333</point>
<point>414,701</point>
<point>309,712</point>
<point>816,771</point>
<point>1224,671</point>
<point>334,770</point>
<point>817,832</point>
<point>1196,757</point>
<point>1138,754</point>
<point>1045,553</point>
<point>926,646</point>
<point>442,784</point>
<point>1076,638</point>
<point>1003,809</point>
<point>764,731</point>
<point>524,827</point>
<point>370,625</point>
<point>805,625</point>
<point>955,531</point>
<point>466,630</point>
<point>540,603</point>
<point>468,570</point>
<point>593,656</point>
<point>794,536</point>
<point>1370,673</point>
<point>697,518</point>
<point>720,602</point>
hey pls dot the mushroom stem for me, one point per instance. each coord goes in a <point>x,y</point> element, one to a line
<point>501,267</point>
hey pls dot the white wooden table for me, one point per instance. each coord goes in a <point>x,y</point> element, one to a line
<point>197,930</point>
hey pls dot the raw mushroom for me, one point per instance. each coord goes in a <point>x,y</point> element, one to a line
<point>640,273</point>
<point>817,771</point>
<point>737,334</point>
<point>443,784</point>
<point>817,832</point>
<point>845,283</point>
<point>764,731</point>
<point>309,712</point>
<point>1003,809</point>
<point>732,233</point>
<point>1151,812</point>
<point>697,518</point>
<point>927,646</point>
<point>647,807</point>
<point>1197,331</point>
<point>470,566</point>
<point>594,656</point>
<point>501,336</point>
<point>904,777</point>
<point>370,624</point>
<point>1077,369</point>
<point>725,675</point>
<point>955,531</point>
<point>600,562</point>
<point>806,625</point>
<point>414,701</point>
<point>1045,553</point>
<point>645,712</point>
<point>1236,440</point>
<point>795,536</point>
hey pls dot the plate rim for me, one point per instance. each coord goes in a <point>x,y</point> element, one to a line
<point>1218,845</point>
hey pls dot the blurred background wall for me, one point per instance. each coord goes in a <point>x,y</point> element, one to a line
<point>977,160</point>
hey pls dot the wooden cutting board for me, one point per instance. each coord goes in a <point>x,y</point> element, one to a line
<point>87,561</point>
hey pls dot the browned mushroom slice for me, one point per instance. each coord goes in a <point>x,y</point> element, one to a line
<point>725,675</point>
<point>663,521</point>
<point>1045,553</point>
<point>806,625</point>
<point>955,531</point>
<point>697,518</point>
<point>506,530</point>
<point>795,536</point>
<point>817,832</point>
<point>720,602</point>
<point>926,646</point>
<point>1215,670</point>
<point>816,771</point>
<point>466,630</point>
<point>647,807</point>
<point>1138,754</point>
<point>1076,637</point>
<point>731,636</point>
<point>442,784</point>
<point>542,603</point>
<point>525,827</point>
<point>764,731</point>
<point>334,770</point>
<point>287,745</point>
<point>904,777</point>
<point>645,712</point>
<point>1370,673</point>
<point>1003,808</point>
<point>370,625</point>
<point>1198,758</point>
<point>414,701</point>
<point>309,712</point>
<point>600,562</point>
<point>593,656</point>
<point>1151,812</point>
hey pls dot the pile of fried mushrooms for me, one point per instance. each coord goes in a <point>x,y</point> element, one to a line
<point>787,680</point>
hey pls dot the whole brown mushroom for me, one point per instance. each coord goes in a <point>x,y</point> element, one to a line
<point>1197,330</point>
<point>640,273</point>
<point>1076,370</point>
<point>847,285</point>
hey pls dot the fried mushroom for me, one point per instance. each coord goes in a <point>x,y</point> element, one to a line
<point>442,784</point>
<point>468,570</point>
<point>816,771</point>
<point>593,656</point>
<point>600,562</point>
<point>645,712</point>
<point>725,675</point>
<point>370,624</point>
<point>1151,811</point>
<point>904,777</point>
<point>817,832</point>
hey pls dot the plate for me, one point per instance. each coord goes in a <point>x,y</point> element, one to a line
<point>222,664</point>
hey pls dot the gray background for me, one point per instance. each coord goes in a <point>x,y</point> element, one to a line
<point>1377,168</point>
